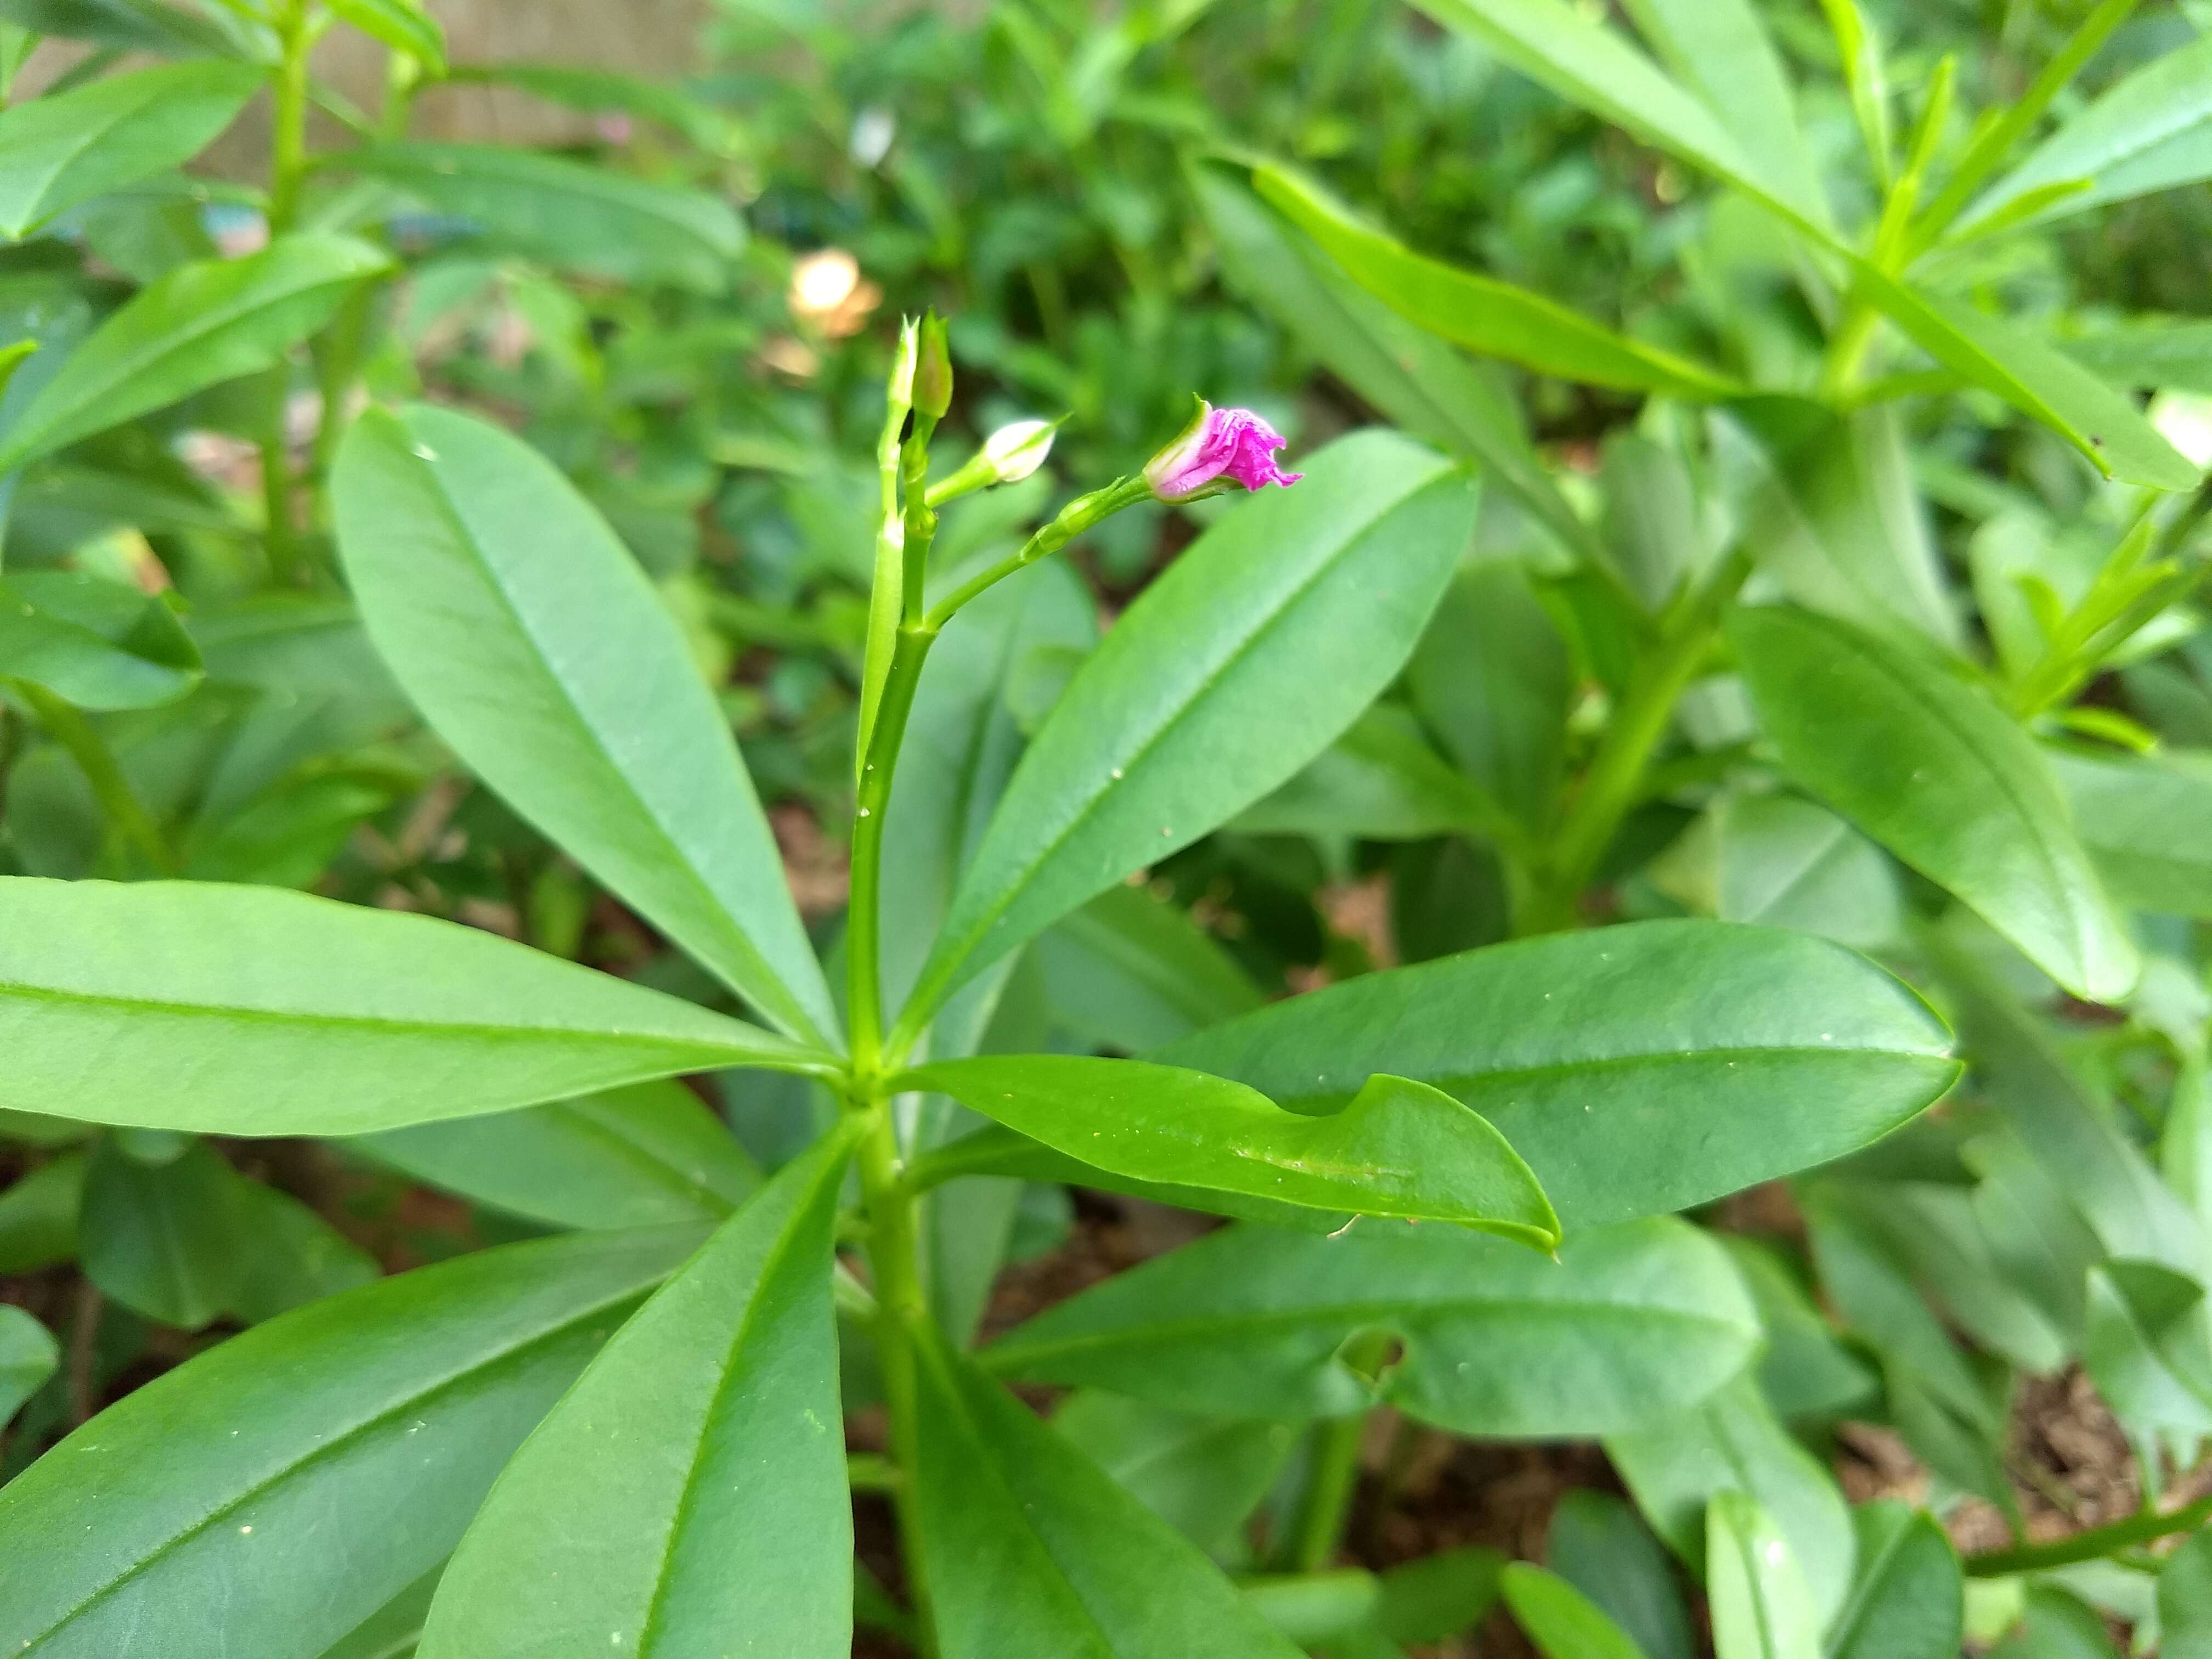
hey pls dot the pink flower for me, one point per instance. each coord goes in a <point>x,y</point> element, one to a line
<point>1219,449</point>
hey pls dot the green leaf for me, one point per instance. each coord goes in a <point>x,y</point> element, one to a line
<point>1416,382</point>
<point>2130,811</point>
<point>252,1010</point>
<point>2035,378</point>
<point>1806,1372</point>
<point>2184,1600</point>
<point>1589,64</point>
<point>1930,766</point>
<point>1635,1068</point>
<point>1379,782</point>
<point>1433,1598</point>
<point>1027,1546</point>
<point>1909,1599</point>
<point>2056,1625</point>
<point>2152,353</point>
<point>646,1156</point>
<point>1630,1323</point>
<point>1278,625</point>
<point>28,1356</point>
<point>403,25</point>
<point>141,25</point>
<point>1399,1149</point>
<point>1598,1544</point>
<point>100,645</point>
<point>1733,1442</point>
<point>58,151</point>
<point>204,323</point>
<point>191,1519</point>
<point>534,644</point>
<point>391,1632</point>
<point>1202,1475</point>
<point>1130,970</point>
<point>1721,50</point>
<point>1833,511</point>
<point>38,1216</point>
<point>1497,319</point>
<point>2148,1347</point>
<point>1787,863</point>
<point>570,214</point>
<point>2150,130</point>
<point>600,92</point>
<point>1492,679</point>
<point>688,1495</point>
<point>1563,1622</point>
<point>1761,1607</point>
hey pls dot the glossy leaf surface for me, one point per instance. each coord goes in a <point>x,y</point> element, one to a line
<point>1635,1068</point>
<point>646,1156</point>
<point>1261,643</point>
<point>1631,1322</point>
<point>204,323</point>
<point>533,643</point>
<point>702,1449</point>
<point>1930,767</point>
<point>101,645</point>
<point>1908,1600</point>
<point>1761,1609</point>
<point>1563,1622</point>
<point>69,146</point>
<point>1399,1148</point>
<point>2130,812</point>
<point>195,1519</point>
<point>252,1010</point>
<point>1027,1547</point>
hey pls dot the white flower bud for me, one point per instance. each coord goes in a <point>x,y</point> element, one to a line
<point>1014,452</point>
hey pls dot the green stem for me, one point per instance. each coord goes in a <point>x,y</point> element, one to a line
<point>1078,516</point>
<point>1614,781</point>
<point>2092,1546</point>
<point>67,726</point>
<point>864,912</point>
<point>1847,348</point>
<point>1333,1477</point>
<point>902,1319</point>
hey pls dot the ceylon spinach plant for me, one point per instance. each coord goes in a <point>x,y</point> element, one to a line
<point>1452,1182</point>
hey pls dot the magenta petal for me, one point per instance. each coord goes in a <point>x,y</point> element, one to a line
<point>1231,445</point>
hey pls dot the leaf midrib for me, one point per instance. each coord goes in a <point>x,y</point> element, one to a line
<point>955,951</point>
<point>325,1447</point>
<point>775,999</point>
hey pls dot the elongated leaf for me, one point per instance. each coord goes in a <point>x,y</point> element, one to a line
<point>2147,1346</point>
<point>204,323</point>
<point>98,644</point>
<point>1495,319</point>
<point>704,1446</point>
<point>1630,1323</point>
<point>1733,1443</point>
<point>1761,1605</point>
<point>1202,1475</point>
<point>252,1010</point>
<point>28,1356</point>
<point>1261,644</point>
<point>1597,67</point>
<point>2131,812</point>
<point>650,1155</point>
<point>1399,1148</point>
<point>1833,511</point>
<point>2035,378</point>
<point>532,642</point>
<point>403,25</point>
<point>1720,49</point>
<point>2152,352</point>
<point>1787,863</point>
<point>1563,1622</point>
<point>1932,768</point>
<point>391,1632</point>
<point>1492,679</point>
<point>1379,782</point>
<point>39,1214</point>
<point>570,214</point>
<point>2150,130</point>
<point>194,1519</point>
<point>1420,384</point>
<point>1909,1599</point>
<point>2184,1600</point>
<point>1131,971</point>
<point>58,151</point>
<point>1027,1547</point>
<point>1598,1543</point>
<point>1635,1068</point>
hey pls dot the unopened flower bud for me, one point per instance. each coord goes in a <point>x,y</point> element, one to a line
<point>898,391</point>
<point>1014,452</point>
<point>1221,448</point>
<point>932,370</point>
